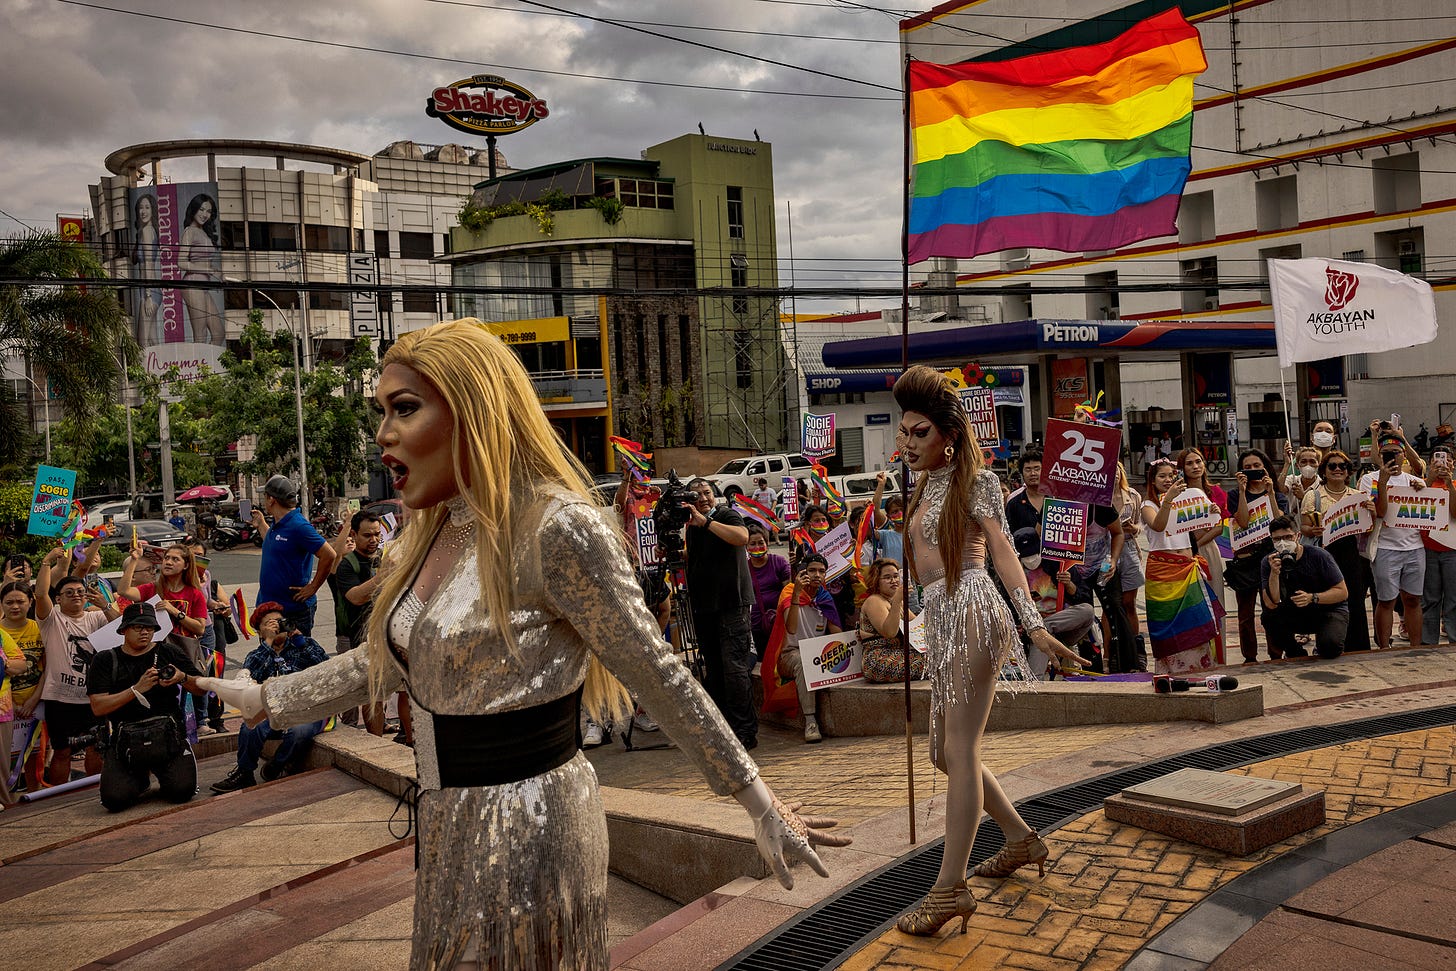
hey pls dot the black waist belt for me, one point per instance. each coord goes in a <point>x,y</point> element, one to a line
<point>508,746</point>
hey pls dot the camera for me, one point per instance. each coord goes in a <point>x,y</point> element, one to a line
<point>670,516</point>
<point>166,672</point>
<point>96,737</point>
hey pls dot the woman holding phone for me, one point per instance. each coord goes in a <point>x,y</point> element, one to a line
<point>1185,619</point>
<point>1255,482</point>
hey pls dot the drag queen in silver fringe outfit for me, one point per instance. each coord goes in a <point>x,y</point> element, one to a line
<point>513,861</point>
<point>957,522</point>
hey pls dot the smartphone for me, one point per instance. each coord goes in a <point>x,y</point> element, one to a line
<point>245,510</point>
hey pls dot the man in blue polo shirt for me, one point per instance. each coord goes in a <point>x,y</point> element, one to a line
<point>288,548</point>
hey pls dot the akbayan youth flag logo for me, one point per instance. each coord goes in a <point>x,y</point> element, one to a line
<point>1327,308</point>
<point>1073,150</point>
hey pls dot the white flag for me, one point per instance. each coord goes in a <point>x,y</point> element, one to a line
<point>1327,308</point>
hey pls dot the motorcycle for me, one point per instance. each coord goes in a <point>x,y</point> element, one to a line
<point>232,532</point>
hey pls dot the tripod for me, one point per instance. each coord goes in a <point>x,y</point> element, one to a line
<point>682,624</point>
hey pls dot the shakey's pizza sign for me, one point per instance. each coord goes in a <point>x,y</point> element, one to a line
<point>485,105</point>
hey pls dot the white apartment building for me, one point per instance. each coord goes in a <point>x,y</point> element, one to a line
<point>1320,129</point>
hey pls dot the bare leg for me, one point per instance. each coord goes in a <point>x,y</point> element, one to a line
<point>60,768</point>
<point>1129,607</point>
<point>965,796</point>
<point>1384,620</point>
<point>1411,603</point>
<point>999,808</point>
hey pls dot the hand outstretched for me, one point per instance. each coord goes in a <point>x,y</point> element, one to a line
<point>782,834</point>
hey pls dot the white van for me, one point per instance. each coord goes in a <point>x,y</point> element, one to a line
<point>742,475</point>
<point>861,485</point>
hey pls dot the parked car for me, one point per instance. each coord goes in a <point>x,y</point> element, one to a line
<point>155,531</point>
<point>861,485</point>
<point>742,475</point>
<point>118,509</point>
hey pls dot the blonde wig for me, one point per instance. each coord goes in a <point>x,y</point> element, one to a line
<point>927,391</point>
<point>499,439</point>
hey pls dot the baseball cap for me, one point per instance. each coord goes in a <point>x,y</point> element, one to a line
<point>281,487</point>
<point>1027,541</point>
<point>139,615</point>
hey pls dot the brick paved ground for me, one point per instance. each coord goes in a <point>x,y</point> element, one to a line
<point>1111,887</point>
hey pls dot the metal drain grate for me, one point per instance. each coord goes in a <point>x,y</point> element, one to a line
<point>834,929</point>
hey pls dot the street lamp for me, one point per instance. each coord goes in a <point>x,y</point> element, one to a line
<point>297,397</point>
<point>46,397</point>
<point>130,442</point>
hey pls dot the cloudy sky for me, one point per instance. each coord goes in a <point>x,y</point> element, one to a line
<point>82,80</point>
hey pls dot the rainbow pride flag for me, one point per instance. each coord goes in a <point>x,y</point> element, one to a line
<point>1183,614</point>
<point>1073,150</point>
<point>240,614</point>
<point>757,511</point>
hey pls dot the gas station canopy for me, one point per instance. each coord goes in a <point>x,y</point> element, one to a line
<point>1024,339</point>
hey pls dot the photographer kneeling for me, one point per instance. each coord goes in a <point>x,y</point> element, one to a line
<point>134,687</point>
<point>281,650</point>
<point>1304,593</point>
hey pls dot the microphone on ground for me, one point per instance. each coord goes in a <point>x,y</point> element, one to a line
<point>1168,685</point>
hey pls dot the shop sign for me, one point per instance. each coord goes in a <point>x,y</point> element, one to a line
<point>485,105</point>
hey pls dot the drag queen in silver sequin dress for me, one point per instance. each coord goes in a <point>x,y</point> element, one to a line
<point>957,522</point>
<point>512,833</point>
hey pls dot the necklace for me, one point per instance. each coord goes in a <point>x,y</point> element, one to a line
<point>455,535</point>
<point>936,487</point>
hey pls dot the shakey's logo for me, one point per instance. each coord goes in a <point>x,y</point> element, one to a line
<point>1340,288</point>
<point>485,105</point>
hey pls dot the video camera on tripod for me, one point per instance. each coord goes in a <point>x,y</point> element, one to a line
<point>670,516</point>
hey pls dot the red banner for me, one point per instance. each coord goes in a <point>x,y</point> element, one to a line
<point>1080,461</point>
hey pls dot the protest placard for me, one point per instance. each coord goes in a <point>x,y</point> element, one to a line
<point>832,659</point>
<point>1422,509</point>
<point>980,406</point>
<point>1064,530</point>
<point>836,546</point>
<point>917,633</point>
<point>790,499</point>
<point>1080,461</point>
<point>1191,511</point>
<point>1261,514</point>
<point>50,501</point>
<point>110,637</point>
<point>818,439</point>
<point>1348,517</point>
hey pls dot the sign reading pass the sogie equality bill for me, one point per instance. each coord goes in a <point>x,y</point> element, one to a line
<point>832,659</point>
<point>1080,461</point>
<point>1064,530</point>
<point>50,501</point>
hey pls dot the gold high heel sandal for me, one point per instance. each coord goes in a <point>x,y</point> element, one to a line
<point>1014,856</point>
<point>938,907</point>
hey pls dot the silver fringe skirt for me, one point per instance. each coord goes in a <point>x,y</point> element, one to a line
<point>973,617</point>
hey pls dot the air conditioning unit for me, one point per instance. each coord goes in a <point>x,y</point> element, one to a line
<point>1210,303</point>
<point>1114,314</point>
<point>1405,247</point>
<point>738,261</point>
<point>1017,259</point>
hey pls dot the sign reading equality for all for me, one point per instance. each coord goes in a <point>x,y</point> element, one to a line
<point>832,659</point>
<point>1081,461</point>
<point>1261,514</point>
<point>818,440</point>
<point>1064,530</point>
<point>1423,509</point>
<point>50,501</point>
<point>1192,510</point>
<point>1348,517</point>
<point>980,405</point>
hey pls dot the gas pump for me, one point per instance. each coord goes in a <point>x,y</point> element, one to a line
<point>1212,427</point>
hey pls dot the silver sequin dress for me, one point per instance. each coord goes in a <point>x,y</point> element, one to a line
<point>972,615</point>
<point>515,876</point>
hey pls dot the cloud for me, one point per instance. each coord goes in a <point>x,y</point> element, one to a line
<point>82,82</point>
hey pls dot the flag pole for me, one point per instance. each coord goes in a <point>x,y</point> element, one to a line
<point>1284,402</point>
<point>904,468</point>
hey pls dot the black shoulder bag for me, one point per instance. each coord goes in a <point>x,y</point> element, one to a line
<point>150,743</point>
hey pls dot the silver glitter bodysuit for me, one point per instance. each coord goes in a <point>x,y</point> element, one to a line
<point>972,615</point>
<point>515,876</point>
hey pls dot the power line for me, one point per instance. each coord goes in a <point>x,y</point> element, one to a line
<point>476,65</point>
<point>625,25</point>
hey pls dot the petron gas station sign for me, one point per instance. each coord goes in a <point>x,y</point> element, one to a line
<point>486,105</point>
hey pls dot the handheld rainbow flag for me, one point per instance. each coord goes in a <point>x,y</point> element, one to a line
<point>833,501</point>
<point>799,536</point>
<point>240,614</point>
<point>71,530</point>
<point>1073,150</point>
<point>866,524</point>
<point>639,461</point>
<point>757,511</point>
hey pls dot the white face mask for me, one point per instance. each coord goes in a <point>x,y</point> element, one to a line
<point>1308,472</point>
<point>1322,439</point>
<point>1031,562</point>
<point>1285,545</point>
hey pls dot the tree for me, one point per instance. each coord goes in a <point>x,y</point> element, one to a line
<point>68,333</point>
<point>253,395</point>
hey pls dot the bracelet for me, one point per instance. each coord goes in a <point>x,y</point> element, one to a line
<point>141,697</point>
<point>1026,610</point>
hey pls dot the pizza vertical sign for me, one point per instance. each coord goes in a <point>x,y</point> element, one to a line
<point>1080,461</point>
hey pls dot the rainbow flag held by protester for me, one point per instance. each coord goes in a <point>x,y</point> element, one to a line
<point>240,614</point>
<point>1183,614</point>
<point>866,525</point>
<point>638,461</point>
<point>1078,149</point>
<point>757,511</point>
<point>833,501</point>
